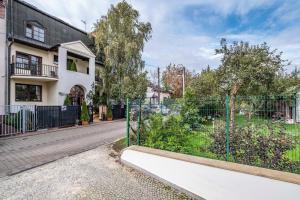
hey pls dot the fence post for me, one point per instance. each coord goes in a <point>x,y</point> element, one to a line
<point>139,122</point>
<point>23,119</point>
<point>227,127</point>
<point>127,122</point>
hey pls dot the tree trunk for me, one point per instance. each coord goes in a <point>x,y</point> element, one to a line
<point>232,102</point>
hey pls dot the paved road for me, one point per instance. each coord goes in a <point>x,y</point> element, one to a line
<point>22,153</point>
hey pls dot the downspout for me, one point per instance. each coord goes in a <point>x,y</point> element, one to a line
<point>10,32</point>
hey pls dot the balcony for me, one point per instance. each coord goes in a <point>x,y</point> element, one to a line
<point>34,71</point>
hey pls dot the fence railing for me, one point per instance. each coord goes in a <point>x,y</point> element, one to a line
<point>15,119</point>
<point>257,131</point>
<point>40,70</point>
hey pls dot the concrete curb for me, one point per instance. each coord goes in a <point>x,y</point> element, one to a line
<point>256,171</point>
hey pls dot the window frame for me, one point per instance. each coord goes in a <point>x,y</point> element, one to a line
<point>28,93</point>
<point>35,27</point>
<point>30,64</point>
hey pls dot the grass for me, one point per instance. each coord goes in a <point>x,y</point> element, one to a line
<point>119,145</point>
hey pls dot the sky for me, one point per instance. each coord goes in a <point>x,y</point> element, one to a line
<point>188,31</point>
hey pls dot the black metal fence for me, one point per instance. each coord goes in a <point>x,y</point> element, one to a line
<point>15,119</point>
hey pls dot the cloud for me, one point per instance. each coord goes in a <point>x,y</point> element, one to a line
<point>188,31</point>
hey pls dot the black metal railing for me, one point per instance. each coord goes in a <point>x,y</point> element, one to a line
<point>40,70</point>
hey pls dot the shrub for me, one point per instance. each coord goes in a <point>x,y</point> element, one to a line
<point>84,112</point>
<point>67,101</point>
<point>166,133</point>
<point>109,111</point>
<point>261,145</point>
<point>73,66</point>
<point>189,109</point>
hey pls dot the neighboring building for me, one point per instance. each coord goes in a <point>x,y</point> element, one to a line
<point>152,94</point>
<point>46,58</point>
<point>2,51</point>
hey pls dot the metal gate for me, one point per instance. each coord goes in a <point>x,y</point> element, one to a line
<point>57,116</point>
<point>16,119</point>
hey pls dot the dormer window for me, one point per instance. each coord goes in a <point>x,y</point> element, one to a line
<point>36,32</point>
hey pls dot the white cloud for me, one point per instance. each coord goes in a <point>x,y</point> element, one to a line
<point>174,38</point>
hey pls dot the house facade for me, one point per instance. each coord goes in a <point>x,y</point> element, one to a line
<point>43,59</point>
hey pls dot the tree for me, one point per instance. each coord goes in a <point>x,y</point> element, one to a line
<point>205,83</point>
<point>120,39</point>
<point>172,79</point>
<point>135,87</point>
<point>244,67</point>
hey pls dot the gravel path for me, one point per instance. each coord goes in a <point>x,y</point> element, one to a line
<point>89,175</point>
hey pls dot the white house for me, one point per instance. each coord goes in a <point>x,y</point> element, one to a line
<point>42,58</point>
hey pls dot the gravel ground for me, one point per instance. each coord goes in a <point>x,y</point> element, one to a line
<point>89,175</point>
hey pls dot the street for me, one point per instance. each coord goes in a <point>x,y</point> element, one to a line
<point>22,153</point>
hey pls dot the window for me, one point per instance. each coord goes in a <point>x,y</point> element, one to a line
<point>55,59</point>
<point>26,61</point>
<point>22,61</point>
<point>35,32</point>
<point>26,92</point>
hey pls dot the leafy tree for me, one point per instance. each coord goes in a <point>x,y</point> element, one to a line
<point>172,79</point>
<point>205,84</point>
<point>120,39</point>
<point>135,86</point>
<point>245,67</point>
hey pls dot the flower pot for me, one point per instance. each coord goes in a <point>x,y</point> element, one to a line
<point>109,119</point>
<point>85,123</point>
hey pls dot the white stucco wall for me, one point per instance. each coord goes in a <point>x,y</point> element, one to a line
<point>212,183</point>
<point>2,59</point>
<point>67,79</point>
<point>30,82</point>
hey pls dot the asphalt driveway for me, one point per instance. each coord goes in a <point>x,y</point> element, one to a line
<point>22,153</point>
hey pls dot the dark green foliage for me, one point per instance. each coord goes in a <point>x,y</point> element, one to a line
<point>67,101</point>
<point>189,109</point>
<point>84,112</point>
<point>71,65</point>
<point>167,134</point>
<point>109,111</point>
<point>260,145</point>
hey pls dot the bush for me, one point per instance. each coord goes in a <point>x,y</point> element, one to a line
<point>259,145</point>
<point>109,111</point>
<point>67,101</point>
<point>166,133</point>
<point>84,112</point>
<point>189,110</point>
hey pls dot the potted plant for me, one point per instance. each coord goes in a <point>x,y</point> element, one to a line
<point>84,114</point>
<point>109,113</point>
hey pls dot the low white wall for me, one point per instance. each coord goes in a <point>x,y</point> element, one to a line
<point>209,182</point>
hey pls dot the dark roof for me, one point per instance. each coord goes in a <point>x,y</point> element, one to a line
<point>56,30</point>
<point>47,14</point>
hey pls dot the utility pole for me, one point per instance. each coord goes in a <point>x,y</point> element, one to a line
<point>84,22</point>
<point>158,83</point>
<point>183,80</point>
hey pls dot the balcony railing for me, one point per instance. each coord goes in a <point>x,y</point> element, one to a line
<point>39,70</point>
